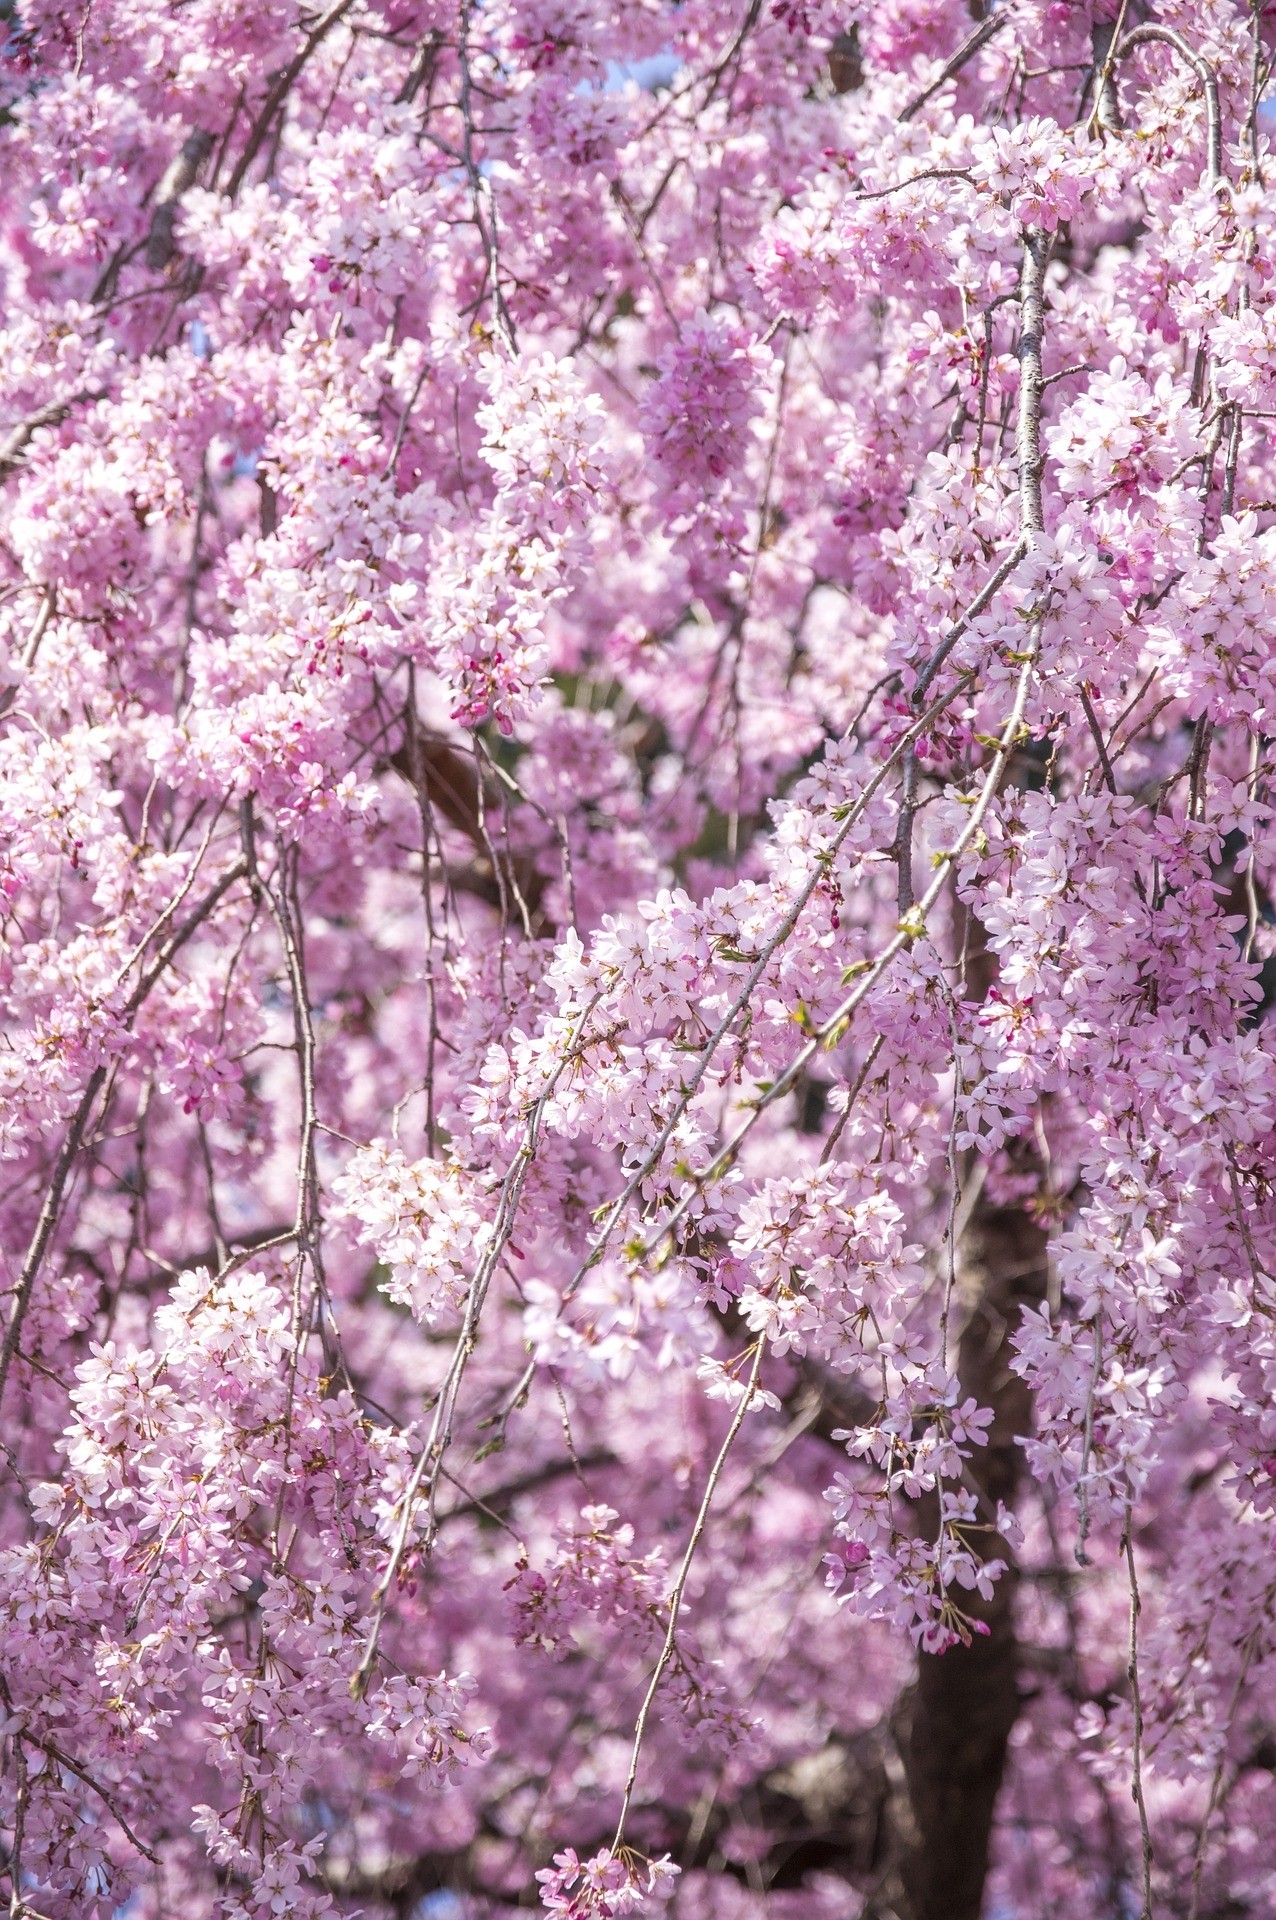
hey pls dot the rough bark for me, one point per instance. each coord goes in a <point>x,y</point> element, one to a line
<point>953,1725</point>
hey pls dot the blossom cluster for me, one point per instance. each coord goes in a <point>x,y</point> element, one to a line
<point>637,950</point>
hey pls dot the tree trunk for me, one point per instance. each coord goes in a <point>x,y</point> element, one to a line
<point>953,1724</point>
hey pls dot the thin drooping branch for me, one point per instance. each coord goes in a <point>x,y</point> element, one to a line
<point>1136,1703</point>
<point>278,93</point>
<point>426,1471</point>
<point>748,1392</point>
<point>73,1140</point>
<point>974,43</point>
<point>19,437</point>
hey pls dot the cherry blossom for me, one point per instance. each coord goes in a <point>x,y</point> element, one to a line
<point>636,854</point>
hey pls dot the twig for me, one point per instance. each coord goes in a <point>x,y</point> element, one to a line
<point>279,92</point>
<point>81,1773</point>
<point>904,832</point>
<point>479,186</point>
<point>48,605</point>
<point>18,1819</point>
<point>1096,733</point>
<point>960,626</point>
<point>1202,1838</point>
<point>430,1459</point>
<point>19,437</point>
<point>1196,765</point>
<point>1251,882</point>
<point>1136,1700</point>
<point>853,1092</point>
<point>970,46</point>
<point>680,1585</point>
<point>1080,1553</point>
<point>927,173</point>
<point>51,1210</point>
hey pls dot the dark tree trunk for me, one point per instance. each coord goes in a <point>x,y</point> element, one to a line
<point>952,1726</point>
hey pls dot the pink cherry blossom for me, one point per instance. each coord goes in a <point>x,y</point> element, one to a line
<point>636,855</point>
